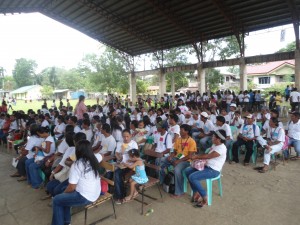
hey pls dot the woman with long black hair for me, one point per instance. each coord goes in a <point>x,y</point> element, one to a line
<point>84,184</point>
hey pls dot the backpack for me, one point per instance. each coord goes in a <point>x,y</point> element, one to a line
<point>169,183</point>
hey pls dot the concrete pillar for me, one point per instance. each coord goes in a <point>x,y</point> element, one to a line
<point>201,79</point>
<point>172,85</point>
<point>132,84</point>
<point>162,83</point>
<point>243,74</point>
<point>297,69</point>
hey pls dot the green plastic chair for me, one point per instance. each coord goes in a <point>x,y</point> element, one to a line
<point>42,175</point>
<point>209,185</point>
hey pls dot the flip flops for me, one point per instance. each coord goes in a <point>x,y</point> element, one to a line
<point>258,168</point>
<point>15,175</point>
<point>22,179</point>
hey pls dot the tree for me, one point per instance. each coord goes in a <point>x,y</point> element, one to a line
<point>53,77</point>
<point>289,47</point>
<point>9,83</point>
<point>141,86</point>
<point>179,78</point>
<point>24,71</point>
<point>47,92</point>
<point>72,79</point>
<point>213,79</point>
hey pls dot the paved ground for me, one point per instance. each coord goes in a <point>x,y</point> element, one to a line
<point>249,198</point>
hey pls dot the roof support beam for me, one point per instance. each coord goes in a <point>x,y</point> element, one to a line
<point>234,22</point>
<point>120,23</point>
<point>295,17</point>
<point>173,19</point>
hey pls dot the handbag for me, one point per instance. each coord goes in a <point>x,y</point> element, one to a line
<point>62,175</point>
<point>199,164</point>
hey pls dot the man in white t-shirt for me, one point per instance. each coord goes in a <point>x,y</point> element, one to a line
<point>248,134</point>
<point>293,131</point>
<point>294,99</point>
<point>108,142</point>
<point>222,125</point>
<point>206,131</point>
<point>87,130</point>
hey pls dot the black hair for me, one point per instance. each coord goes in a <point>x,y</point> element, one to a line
<point>78,137</point>
<point>135,123</point>
<point>43,130</point>
<point>60,117</point>
<point>106,128</point>
<point>221,119</point>
<point>126,131</point>
<point>186,127</point>
<point>69,128</point>
<point>174,117</point>
<point>69,138</point>
<point>73,119</point>
<point>275,112</point>
<point>134,153</point>
<point>86,122</point>
<point>41,116</point>
<point>33,129</point>
<point>85,154</point>
<point>275,121</point>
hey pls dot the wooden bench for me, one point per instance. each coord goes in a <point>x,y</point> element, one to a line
<point>151,182</point>
<point>103,198</point>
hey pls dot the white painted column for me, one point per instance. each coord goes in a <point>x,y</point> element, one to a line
<point>201,78</point>
<point>297,69</point>
<point>243,74</point>
<point>132,83</point>
<point>162,83</point>
<point>172,85</point>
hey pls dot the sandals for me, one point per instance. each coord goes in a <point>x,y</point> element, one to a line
<point>136,194</point>
<point>262,171</point>
<point>200,204</point>
<point>130,198</point>
<point>258,168</point>
<point>22,179</point>
<point>15,175</point>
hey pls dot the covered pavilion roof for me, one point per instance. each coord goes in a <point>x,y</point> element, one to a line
<point>143,26</point>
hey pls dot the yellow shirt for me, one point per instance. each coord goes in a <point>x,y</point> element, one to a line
<point>278,100</point>
<point>185,146</point>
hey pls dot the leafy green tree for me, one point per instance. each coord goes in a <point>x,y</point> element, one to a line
<point>179,78</point>
<point>47,92</point>
<point>53,77</point>
<point>9,83</point>
<point>24,71</point>
<point>213,79</point>
<point>141,86</point>
<point>289,47</point>
<point>72,79</point>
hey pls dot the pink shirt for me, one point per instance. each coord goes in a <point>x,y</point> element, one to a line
<point>79,110</point>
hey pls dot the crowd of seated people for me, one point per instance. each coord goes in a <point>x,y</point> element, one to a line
<point>182,128</point>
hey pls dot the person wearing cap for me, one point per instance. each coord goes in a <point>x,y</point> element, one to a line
<point>215,160</point>
<point>293,132</point>
<point>248,134</point>
<point>206,131</point>
<point>222,125</point>
<point>232,110</point>
<point>184,147</point>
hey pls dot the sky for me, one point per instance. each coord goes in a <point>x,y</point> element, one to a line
<point>50,43</point>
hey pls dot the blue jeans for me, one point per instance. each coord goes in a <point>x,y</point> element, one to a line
<point>62,204</point>
<point>119,192</point>
<point>177,173</point>
<point>195,176</point>
<point>55,187</point>
<point>296,144</point>
<point>33,177</point>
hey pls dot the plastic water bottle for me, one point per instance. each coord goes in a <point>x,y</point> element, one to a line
<point>149,212</point>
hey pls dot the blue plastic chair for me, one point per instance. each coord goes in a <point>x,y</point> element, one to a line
<point>209,185</point>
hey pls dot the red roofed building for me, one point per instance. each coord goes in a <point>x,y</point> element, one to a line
<point>268,74</point>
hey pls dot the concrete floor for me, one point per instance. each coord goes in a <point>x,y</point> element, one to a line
<point>249,198</point>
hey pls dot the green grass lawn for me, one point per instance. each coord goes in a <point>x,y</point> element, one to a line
<point>35,105</point>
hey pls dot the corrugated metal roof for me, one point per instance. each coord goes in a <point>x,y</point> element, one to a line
<point>142,26</point>
<point>24,89</point>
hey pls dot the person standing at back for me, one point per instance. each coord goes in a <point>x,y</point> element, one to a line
<point>80,109</point>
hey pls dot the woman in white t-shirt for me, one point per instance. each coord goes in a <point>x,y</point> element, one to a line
<point>84,184</point>
<point>275,142</point>
<point>215,160</point>
<point>47,148</point>
<point>27,153</point>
